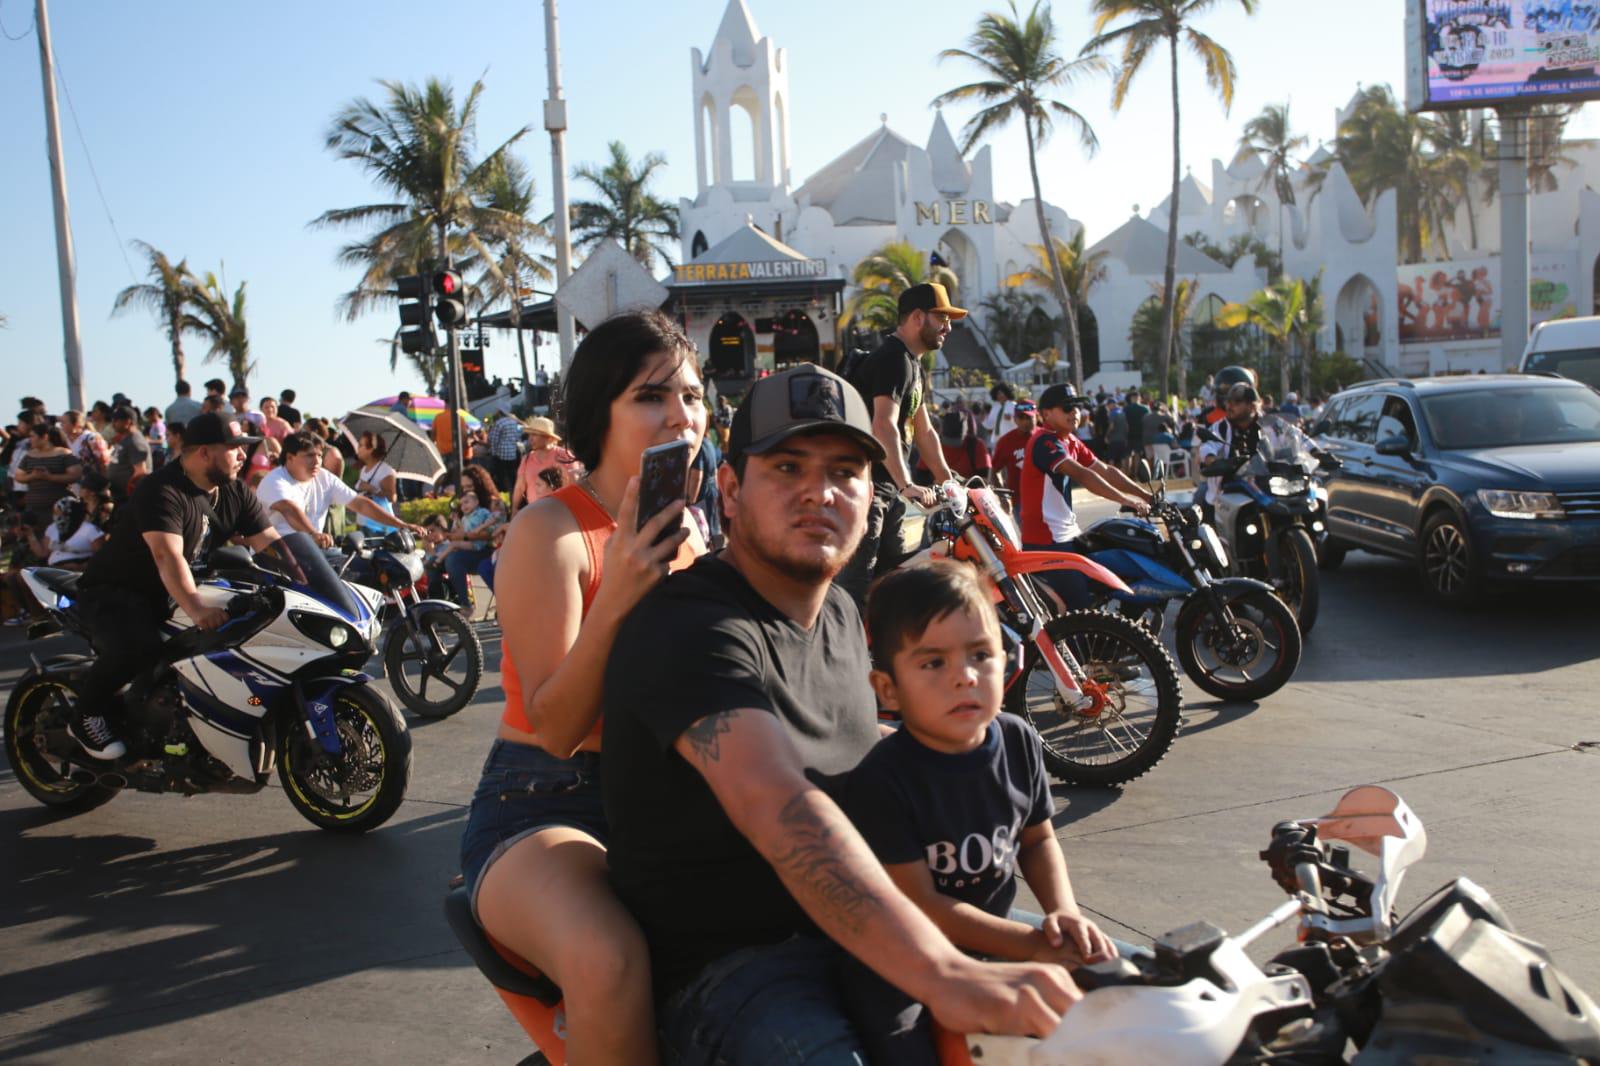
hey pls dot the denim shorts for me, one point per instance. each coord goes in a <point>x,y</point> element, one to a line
<point>525,789</point>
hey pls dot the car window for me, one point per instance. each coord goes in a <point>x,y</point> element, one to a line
<point>1579,364</point>
<point>1330,414</point>
<point>1511,415</point>
<point>1396,420</point>
<point>1358,422</point>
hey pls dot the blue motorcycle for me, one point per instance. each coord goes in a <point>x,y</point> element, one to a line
<point>1235,638</point>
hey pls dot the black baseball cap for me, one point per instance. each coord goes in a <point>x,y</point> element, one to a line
<point>209,428</point>
<point>1062,396</point>
<point>929,296</point>
<point>799,399</point>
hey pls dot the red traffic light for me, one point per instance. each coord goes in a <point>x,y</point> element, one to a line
<point>447,283</point>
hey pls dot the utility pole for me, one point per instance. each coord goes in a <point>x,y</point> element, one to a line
<point>73,345</point>
<point>555,121</point>
<point>1513,163</point>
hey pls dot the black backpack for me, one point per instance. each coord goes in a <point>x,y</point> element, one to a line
<point>852,363</point>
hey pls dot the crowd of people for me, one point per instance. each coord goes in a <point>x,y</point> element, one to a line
<point>691,817</point>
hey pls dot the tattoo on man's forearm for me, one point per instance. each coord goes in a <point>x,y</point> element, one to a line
<point>813,857</point>
<point>705,736</point>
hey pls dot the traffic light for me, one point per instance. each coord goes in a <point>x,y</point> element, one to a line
<point>449,295</point>
<point>416,326</point>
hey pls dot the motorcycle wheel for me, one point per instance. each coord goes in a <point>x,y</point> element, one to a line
<point>1296,582</point>
<point>458,675</point>
<point>366,782</point>
<point>1135,727</point>
<point>39,705</point>
<point>1265,631</point>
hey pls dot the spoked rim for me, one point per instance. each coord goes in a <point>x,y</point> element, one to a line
<point>1290,586</point>
<point>1253,631</point>
<point>419,665</point>
<point>351,784</point>
<point>1445,559</point>
<point>1125,721</point>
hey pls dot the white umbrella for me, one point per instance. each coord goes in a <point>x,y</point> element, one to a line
<point>411,453</point>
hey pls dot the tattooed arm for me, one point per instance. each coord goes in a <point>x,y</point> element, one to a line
<point>756,776</point>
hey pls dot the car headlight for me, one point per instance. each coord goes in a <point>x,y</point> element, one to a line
<point>1286,486</point>
<point>1214,546</point>
<point>1506,504</point>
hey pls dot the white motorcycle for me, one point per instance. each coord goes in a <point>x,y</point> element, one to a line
<point>278,685</point>
<point>1451,982</point>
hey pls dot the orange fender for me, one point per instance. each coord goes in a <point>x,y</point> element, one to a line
<point>1029,562</point>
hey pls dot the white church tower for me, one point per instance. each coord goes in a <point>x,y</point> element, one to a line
<point>744,73</point>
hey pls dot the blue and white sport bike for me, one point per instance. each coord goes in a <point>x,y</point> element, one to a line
<point>279,685</point>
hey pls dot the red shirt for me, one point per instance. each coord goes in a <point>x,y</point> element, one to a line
<point>1047,516</point>
<point>1008,455</point>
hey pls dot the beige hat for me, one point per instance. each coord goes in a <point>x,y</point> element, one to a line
<point>542,426</point>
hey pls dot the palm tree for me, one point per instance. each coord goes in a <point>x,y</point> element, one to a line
<point>1146,331</point>
<point>1309,328</point>
<point>1020,66</point>
<point>1081,270</point>
<point>882,276</point>
<point>1546,125</point>
<point>1271,136</point>
<point>1149,23</point>
<point>626,212</point>
<point>219,320</point>
<point>1279,313</point>
<point>1456,137</point>
<point>421,148</point>
<point>509,189</point>
<point>1017,321</point>
<point>164,295</point>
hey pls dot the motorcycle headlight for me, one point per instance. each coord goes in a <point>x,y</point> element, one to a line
<point>1214,546</point>
<point>324,630</point>
<point>942,525</point>
<point>1504,504</point>
<point>1286,486</point>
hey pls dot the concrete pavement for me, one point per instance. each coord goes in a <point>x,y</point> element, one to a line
<point>224,928</point>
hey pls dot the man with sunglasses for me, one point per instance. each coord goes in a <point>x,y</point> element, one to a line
<point>891,382</point>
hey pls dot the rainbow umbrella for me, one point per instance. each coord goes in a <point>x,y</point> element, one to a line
<point>423,410</point>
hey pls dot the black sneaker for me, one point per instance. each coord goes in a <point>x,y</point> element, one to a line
<point>94,736</point>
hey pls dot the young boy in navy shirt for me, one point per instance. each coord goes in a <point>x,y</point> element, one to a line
<point>955,802</point>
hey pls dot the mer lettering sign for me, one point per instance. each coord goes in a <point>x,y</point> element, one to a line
<point>759,270</point>
<point>955,212</point>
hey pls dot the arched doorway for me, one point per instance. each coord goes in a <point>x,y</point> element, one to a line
<point>733,345</point>
<point>1089,335</point>
<point>698,246</point>
<point>956,250</point>
<point>794,339</point>
<point>1358,318</point>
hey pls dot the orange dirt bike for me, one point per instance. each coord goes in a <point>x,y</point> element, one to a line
<point>1100,690</point>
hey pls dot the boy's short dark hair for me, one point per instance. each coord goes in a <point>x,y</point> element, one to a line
<point>903,603</point>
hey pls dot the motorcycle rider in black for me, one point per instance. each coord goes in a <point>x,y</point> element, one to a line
<point>131,585</point>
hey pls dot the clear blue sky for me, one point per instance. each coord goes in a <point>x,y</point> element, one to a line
<point>205,122</point>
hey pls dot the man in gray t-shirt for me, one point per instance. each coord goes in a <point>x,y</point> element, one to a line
<point>130,453</point>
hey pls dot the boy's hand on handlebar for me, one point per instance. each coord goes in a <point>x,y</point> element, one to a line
<point>921,495</point>
<point>1014,998</point>
<point>1072,939</point>
<point>324,540</point>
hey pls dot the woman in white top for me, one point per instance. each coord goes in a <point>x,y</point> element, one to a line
<point>377,479</point>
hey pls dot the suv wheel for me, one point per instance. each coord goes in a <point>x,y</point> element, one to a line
<point>1449,571</point>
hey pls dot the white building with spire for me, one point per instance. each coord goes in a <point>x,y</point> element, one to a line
<point>1426,318</point>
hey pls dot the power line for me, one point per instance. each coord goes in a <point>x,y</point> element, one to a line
<point>21,36</point>
<point>61,78</point>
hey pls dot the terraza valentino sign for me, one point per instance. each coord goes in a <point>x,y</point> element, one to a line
<point>758,270</point>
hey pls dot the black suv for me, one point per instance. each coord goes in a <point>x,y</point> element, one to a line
<point>1477,478</point>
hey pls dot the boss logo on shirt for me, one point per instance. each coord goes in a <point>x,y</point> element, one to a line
<point>974,858</point>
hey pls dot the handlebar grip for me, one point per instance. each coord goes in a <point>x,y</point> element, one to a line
<point>242,605</point>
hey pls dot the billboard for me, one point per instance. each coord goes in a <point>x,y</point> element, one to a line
<point>1460,300</point>
<point>1483,53</point>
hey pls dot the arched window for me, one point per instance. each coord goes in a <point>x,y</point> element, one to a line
<point>698,246</point>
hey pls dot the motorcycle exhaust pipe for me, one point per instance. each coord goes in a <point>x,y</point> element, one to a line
<point>81,777</point>
<point>116,781</point>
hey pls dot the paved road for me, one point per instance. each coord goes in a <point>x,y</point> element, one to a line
<point>224,929</point>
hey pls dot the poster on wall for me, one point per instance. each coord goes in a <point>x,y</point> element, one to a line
<point>1477,53</point>
<point>1460,300</point>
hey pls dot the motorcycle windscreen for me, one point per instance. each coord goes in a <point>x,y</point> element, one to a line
<point>298,559</point>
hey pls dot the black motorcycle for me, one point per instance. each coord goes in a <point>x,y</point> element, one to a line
<point>425,643</point>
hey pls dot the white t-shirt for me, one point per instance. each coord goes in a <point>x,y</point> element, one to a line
<point>314,496</point>
<point>999,420</point>
<point>78,546</point>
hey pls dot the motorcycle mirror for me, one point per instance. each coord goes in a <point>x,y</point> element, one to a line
<point>1145,474</point>
<point>1205,433</point>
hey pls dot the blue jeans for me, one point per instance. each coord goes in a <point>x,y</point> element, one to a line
<point>460,563</point>
<point>774,1005</point>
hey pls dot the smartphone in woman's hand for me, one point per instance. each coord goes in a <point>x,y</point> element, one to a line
<point>663,480</point>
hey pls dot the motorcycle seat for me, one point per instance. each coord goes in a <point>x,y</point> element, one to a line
<point>61,582</point>
<point>503,969</point>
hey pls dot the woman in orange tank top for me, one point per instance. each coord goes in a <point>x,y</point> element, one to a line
<point>571,569</point>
